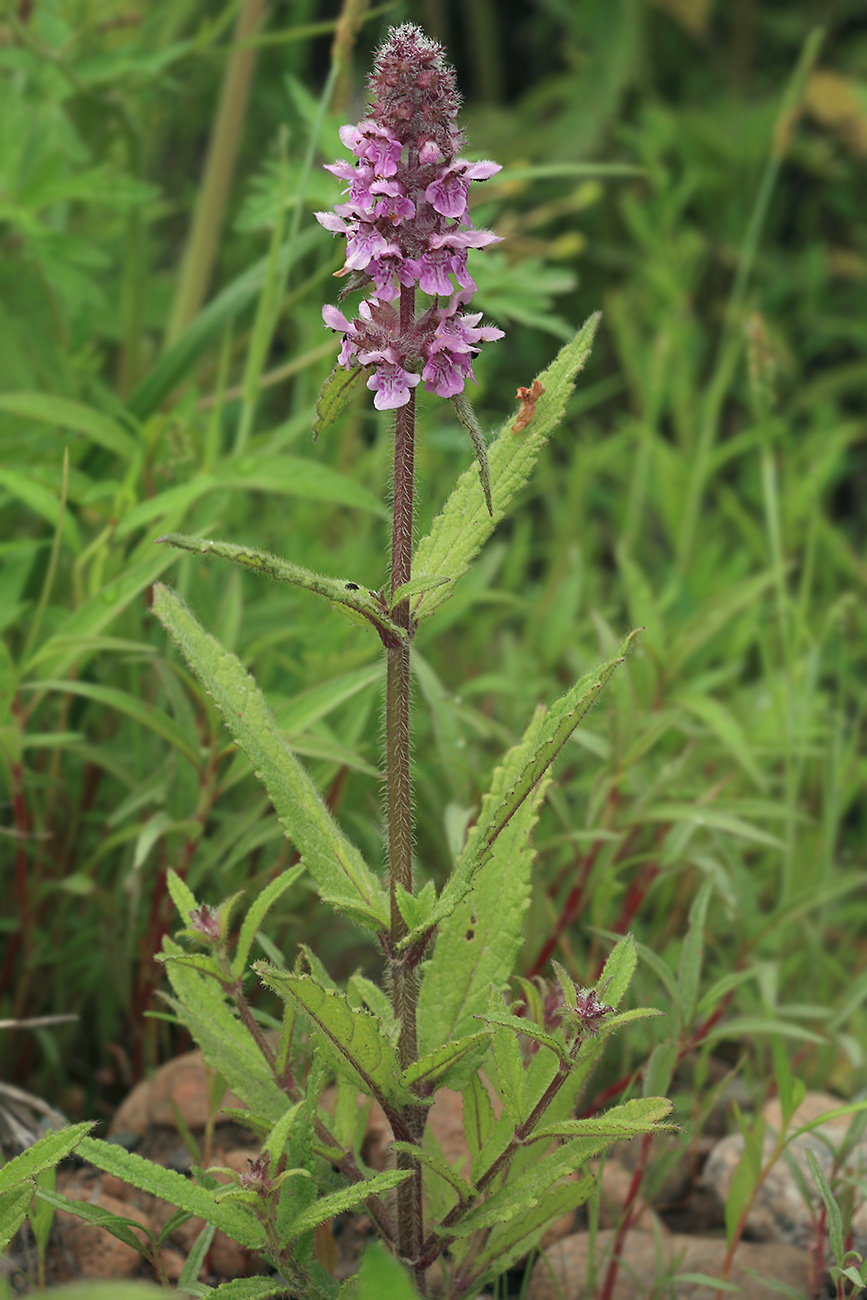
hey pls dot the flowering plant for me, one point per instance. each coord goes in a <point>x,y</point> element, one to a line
<point>406,224</point>
<point>444,1016</point>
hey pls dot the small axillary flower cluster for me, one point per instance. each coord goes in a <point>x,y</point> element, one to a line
<point>406,225</point>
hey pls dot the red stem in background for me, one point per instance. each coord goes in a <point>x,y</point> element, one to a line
<point>569,913</point>
<point>627,1219</point>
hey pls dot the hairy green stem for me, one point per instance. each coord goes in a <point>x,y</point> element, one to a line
<point>404,983</point>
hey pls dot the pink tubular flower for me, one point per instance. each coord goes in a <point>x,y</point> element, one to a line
<point>406,226</point>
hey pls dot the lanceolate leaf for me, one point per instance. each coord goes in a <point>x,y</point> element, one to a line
<point>522,1195</point>
<point>18,1175</point>
<point>464,525</point>
<point>357,1041</point>
<point>201,1005</point>
<point>450,1065</point>
<point>636,1116</point>
<point>467,417</point>
<point>515,1241</point>
<point>348,595</point>
<point>14,1204</point>
<point>243,1288</point>
<point>342,875</point>
<point>480,940</point>
<point>256,915</point>
<point>334,396</point>
<point>349,1198</point>
<point>234,1219</point>
<point>519,774</point>
<point>43,1154</point>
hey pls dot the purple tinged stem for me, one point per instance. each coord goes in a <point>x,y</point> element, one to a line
<point>404,980</point>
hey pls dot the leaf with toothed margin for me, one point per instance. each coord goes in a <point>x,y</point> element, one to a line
<point>518,1197</point>
<point>480,941</point>
<point>351,598</point>
<point>515,779</point>
<point>513,1242</point>
<point>334,396</point>
<point>467,417</point>
<point>353,1040</point>
<point>464,525</point>
<point>451,1065</point>
<point>341,874</point>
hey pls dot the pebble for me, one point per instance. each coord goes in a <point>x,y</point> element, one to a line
<point>181,1086</point>
<point>92,1251</point>
<point>779,1212</point>
<point>562,1272</point>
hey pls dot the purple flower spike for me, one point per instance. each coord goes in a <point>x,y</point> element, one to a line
<point>406,227</point>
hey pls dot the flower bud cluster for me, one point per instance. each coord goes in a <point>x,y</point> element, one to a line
<point>406,224</point>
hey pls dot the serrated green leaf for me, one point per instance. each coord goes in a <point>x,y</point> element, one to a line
<point>342,875</point>
<point>232,1219</point>
<point>639,1115</point>
<point>478,943</point>
<point>519,1197</point>
<point>414,587</point>
<point>439,1167</point>
<point>14,1204</point>
<point>43,1154</point>
<point>275,1143</point>
<point>200,961</point>
<point>248,1288</point>
<point>451,1065</point>
<point>182,896</point>
<point>334,396</point>
<point>528,1028</point>
<point>375,999</point>
<point>350,1198</point>
<point>381,1276</point>
<point>516,1240</point>
<point>257,913</point>
<point>358,1041</point>
<point>348,596</point>
<point>464,525</point>
<point>467,417</point>
<point>618,971</point>
<point>200,1004</point>
<point>519,774</point>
